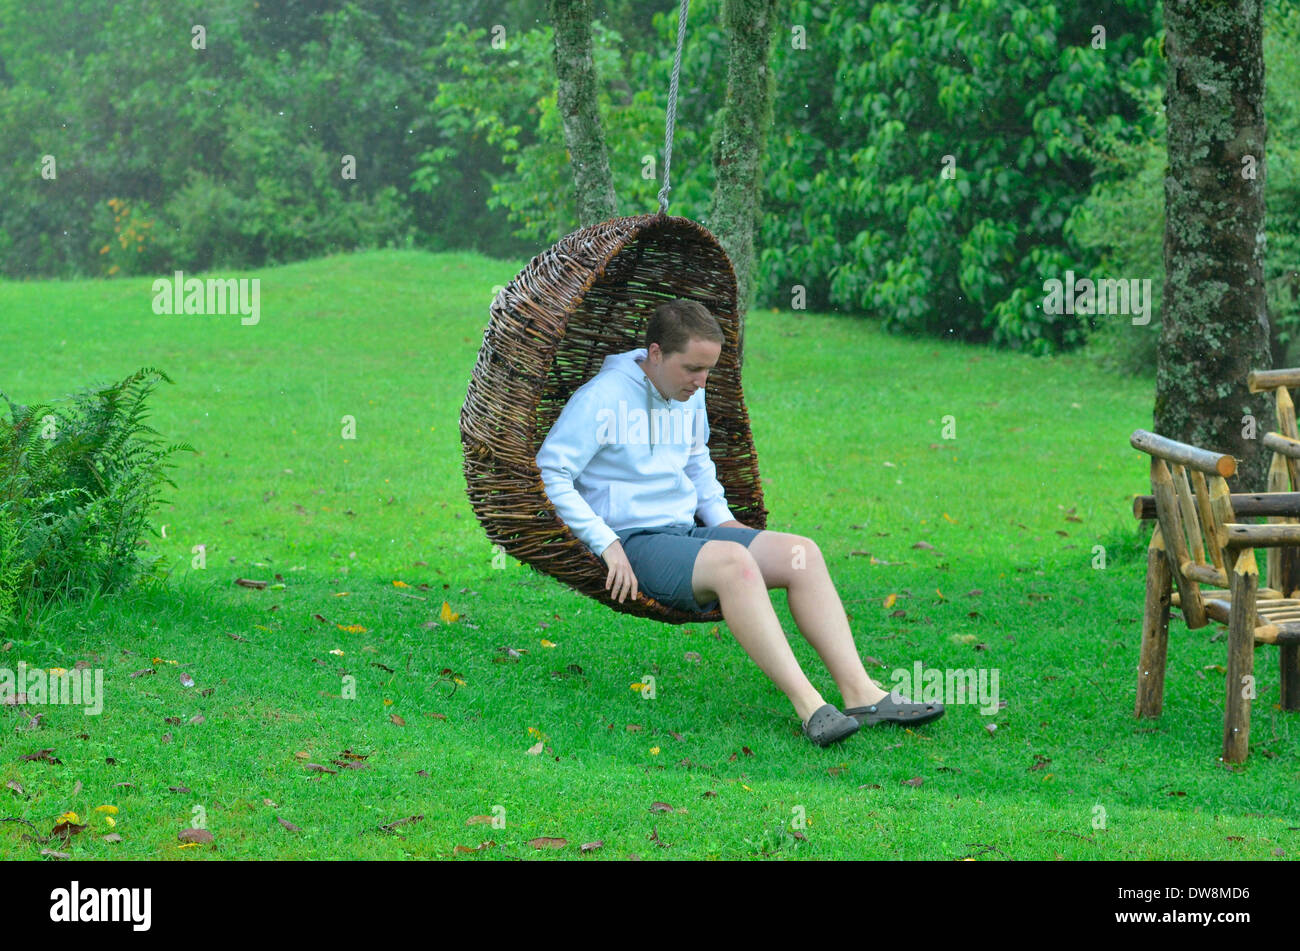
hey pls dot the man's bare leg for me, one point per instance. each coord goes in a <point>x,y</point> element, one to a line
<point>726,571</point>
<point>796,564</point>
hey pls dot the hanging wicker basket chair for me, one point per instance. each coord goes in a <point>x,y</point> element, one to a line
<point>588,296</point>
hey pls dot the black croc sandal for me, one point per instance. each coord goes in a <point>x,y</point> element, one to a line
<point>894,709</point>
<point>827,725</point>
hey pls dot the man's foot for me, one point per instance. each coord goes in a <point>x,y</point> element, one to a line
<point>827,725</point>
<point>896,709</point>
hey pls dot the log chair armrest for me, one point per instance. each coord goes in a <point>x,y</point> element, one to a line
<point>1277,535</point>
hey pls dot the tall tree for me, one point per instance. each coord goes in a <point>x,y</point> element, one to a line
<point>579,107</point>
<point>738,149</point>
<point>1215,326</point>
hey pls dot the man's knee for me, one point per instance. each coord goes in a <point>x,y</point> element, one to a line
<point>720,560</point>
<point>804,554</point>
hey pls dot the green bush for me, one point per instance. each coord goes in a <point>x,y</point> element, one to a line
<point>203,229</point>
<point>926,155</point>
<point>76,490</point>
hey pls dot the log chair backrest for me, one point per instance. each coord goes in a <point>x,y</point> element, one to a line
<point>1191,523</point>
<point>1283,474</point>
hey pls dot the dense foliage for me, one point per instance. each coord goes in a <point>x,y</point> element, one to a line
<point>930,162</point>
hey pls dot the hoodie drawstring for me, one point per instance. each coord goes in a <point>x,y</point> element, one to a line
<point>649,416</point>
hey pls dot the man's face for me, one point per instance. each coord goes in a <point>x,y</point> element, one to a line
<point>681,374</point>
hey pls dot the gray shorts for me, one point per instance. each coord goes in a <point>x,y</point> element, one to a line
<point>663,559</point>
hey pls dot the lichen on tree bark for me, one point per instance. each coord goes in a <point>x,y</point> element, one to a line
<point>1215,326</point>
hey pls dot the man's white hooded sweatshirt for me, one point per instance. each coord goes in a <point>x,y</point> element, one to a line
<point>621,456</point>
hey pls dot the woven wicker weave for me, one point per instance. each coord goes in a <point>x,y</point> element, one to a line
<point>550,330</point>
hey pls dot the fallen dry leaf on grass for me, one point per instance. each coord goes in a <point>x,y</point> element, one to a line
<point>67,828</point>
<point>195,836</point>
<point>288,825</point>
<point>47,755</point>
<point>547,842</point>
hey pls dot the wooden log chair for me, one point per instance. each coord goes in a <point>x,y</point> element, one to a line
<point>1188,525</point>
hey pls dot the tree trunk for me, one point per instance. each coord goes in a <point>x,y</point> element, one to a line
<point>738,148</point>
<point>1215,326</point>
<point>579,107</point>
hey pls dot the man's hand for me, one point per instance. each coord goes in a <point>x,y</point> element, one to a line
<point>732,523</point>
<point>621,578</point>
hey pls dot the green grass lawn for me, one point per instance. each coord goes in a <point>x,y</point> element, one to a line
<point>849,428</point>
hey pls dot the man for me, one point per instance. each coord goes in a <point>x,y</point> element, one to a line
<point>627,467</point>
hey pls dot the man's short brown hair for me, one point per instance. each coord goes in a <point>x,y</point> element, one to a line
<point>675,323</point>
